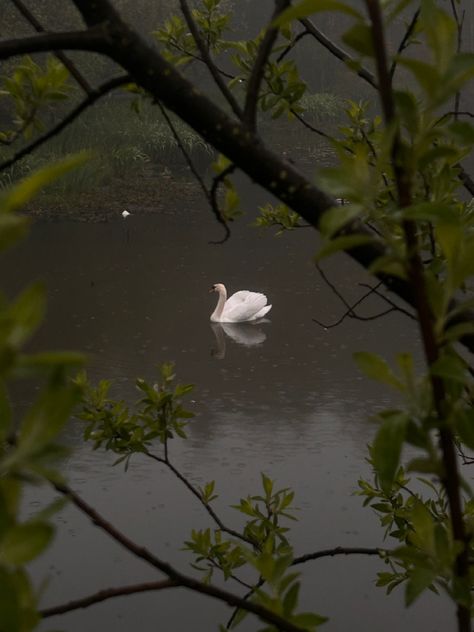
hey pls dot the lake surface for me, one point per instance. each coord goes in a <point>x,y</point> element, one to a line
<point>282,397</point>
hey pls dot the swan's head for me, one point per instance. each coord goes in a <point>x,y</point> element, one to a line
<point>218,287</point>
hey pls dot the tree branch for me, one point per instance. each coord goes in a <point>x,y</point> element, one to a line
<point>258,70</point>
<point>198,495</point>
<point>206,57</point>
<point>405,40</point>
<point>338,52</point>
<point>93,97</point>
<point>104,595</point>
<point>173,574</point>
<point>94,39</point>
<point>64,59</point>
<point>339,550</point>
<point>450,477</point>
<point>244,148</point>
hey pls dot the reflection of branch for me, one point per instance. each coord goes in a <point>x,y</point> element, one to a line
<point>173,574</point>
<point>73,71</point>
<point>338,52</point>
<point>405,40</point>
<point>258,70</point>
<point>108,593</point>
<point>206,57</point>
<point>94,96</point>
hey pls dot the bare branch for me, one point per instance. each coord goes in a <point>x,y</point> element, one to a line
<point>339,550</point>
<point>338,52</point>
<point>195,173</point>
<point>93,39</point>
<point>108,593</point>
<point>405,40</point>
<point>207,59</point>
<point>292,44</point>
<point>258,70</point>
<point>73,71</point>
<point>93,97</point>
<point>217,180</point>
<point>317,131</point>
<point>198,495</point>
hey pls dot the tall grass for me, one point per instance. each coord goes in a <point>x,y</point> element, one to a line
<point>121,142</point>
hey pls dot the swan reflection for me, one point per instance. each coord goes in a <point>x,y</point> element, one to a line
<point>247,334</point>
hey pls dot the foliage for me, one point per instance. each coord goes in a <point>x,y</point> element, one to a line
<point>29,449</point>
<point>32,88</point>
<point>398,175</point>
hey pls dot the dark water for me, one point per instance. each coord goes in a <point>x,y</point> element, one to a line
<point>282,398</point>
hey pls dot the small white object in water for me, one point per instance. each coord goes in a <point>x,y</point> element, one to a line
<point>125,214</point>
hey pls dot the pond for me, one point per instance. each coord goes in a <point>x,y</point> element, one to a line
<point>282,397</point>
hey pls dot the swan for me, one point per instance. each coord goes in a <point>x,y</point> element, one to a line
<point>240,307</point>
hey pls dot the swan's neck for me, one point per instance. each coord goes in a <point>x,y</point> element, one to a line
<point>217,313</point>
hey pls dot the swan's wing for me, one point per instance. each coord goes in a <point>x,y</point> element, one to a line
<point>262,312</point>
<point>243,306</point>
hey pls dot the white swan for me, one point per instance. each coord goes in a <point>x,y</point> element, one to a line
<point>240,307</point>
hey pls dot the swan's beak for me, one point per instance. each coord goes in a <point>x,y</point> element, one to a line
<point>213,289</point>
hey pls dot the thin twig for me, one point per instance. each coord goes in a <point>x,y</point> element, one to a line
<point>198,495</point>
<point>207,59</point>
<point>258,70</point>
<point>291,45</point>
<point>389,301</point>
<point>93,39</point>
<point>96,94</point>
<point>338,550</point>
<point>405,41</point>
<point>217,180</point>
<point>195,172</point>
<point>64,59</point>
<point>316,130</point>
<point>338,52</point>
<point>104,595</point>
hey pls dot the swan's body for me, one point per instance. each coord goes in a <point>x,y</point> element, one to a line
<point>241,307</point>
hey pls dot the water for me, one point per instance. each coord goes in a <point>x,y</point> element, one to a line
<point>282,397</point>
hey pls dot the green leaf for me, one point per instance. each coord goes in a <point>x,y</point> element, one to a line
<point>420,579</point>
<point>26,314</point>
<point>25,542</point>
<point>376,368</point>
<point>387,448</point>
